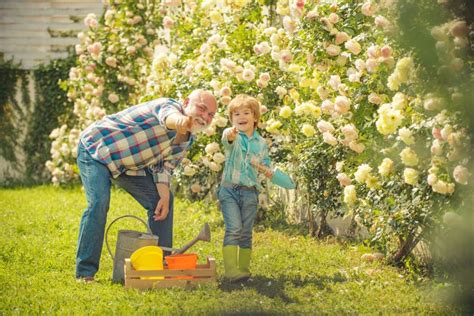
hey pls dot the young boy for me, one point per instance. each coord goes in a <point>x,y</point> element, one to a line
<point>246,153</point>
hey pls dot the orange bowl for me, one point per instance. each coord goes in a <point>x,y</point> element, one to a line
<point>182,261</point>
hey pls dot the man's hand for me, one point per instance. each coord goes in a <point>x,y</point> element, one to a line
<point>230,133</point>
<point>162,208</point>
<point>183,124</point>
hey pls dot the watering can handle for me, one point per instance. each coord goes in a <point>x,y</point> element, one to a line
<point>108,227</point>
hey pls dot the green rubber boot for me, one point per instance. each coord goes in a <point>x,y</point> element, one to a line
<point>244,260</point>
<point>231,264</point>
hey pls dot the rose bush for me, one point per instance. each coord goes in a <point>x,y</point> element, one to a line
<point>346,108</point>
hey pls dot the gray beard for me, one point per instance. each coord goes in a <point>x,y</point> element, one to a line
<point>196,128</point>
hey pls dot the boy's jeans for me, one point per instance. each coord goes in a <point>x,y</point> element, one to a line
<point>239,207</point>
<point>96,181</point>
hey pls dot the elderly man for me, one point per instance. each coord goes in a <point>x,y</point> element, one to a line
<point>138,147</point>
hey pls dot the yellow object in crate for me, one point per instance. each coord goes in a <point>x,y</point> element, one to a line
<point>148,258</point>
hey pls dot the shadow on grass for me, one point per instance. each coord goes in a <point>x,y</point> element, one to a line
<point>274,288</point>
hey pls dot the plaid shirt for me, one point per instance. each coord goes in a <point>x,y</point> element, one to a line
<point>238,155</point>
<point>137,138</point>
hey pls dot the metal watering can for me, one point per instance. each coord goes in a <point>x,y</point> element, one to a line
<point>127,242</point>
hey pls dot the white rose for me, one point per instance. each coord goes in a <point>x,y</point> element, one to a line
<point>432,179</point>
<point>189,171</point>
<point>281,91</point>
<point>248,75</point>
<point>375,98</point>
<point>409,157</point>
<point>218,157</point>
<point>406,136</point>
<point>212,148</point>
<point>385,167</point>
<point>436,148</point>
<point>363,171</point>
<point>214,166</point>
<point>350,195</point>
<point>334,81</point>
<point>461,174</point>
<point>452,219</point>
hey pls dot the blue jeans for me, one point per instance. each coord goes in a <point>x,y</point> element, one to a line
<point>96,179</point>
<point>239,208</point>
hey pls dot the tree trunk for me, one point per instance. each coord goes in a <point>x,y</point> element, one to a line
<point>406,247</point>
<point>323,228</point>
<point>312,223</point>
<point>351,231</point>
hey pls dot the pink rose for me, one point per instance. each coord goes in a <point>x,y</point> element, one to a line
<point>327,106</point>
<point>111,61</point>
<point>459,29</point>
<point>342,104</point>
<point>341,37</point>
<point>373,51</point>
<point>381,22</point>
<point>300,4</point>
<point>328,138</point>
<point>357,147</point>
<point>353,46</point>
<point>343,179</point>
<point>386,51</point>
<point>333,18</point>
<point>368,9</point>
<point>113,98</point>
<point>168,22</point>
<point>333,50</point>
<point>94,49</point>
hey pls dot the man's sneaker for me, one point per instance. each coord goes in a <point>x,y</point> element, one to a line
<point>86,279</point>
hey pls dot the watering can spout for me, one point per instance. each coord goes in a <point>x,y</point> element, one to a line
<point>204,235</point>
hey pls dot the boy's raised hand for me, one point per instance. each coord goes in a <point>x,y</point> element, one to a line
<point>230,133</point>
<point>261,167</point>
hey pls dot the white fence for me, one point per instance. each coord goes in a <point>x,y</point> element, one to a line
<point>34,32</point>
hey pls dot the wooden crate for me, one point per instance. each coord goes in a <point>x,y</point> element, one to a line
<point>204,273</point>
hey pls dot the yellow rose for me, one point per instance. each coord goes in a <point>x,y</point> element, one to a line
<point>411,176</point>
<point>308,130</point>
<point>285,111</point>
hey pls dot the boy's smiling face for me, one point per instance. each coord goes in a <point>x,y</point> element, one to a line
<point>244,119</point>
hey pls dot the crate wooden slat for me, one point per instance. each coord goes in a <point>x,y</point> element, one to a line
<point>204,273</point>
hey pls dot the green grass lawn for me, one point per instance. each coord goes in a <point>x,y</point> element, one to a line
<point>293,274</point>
